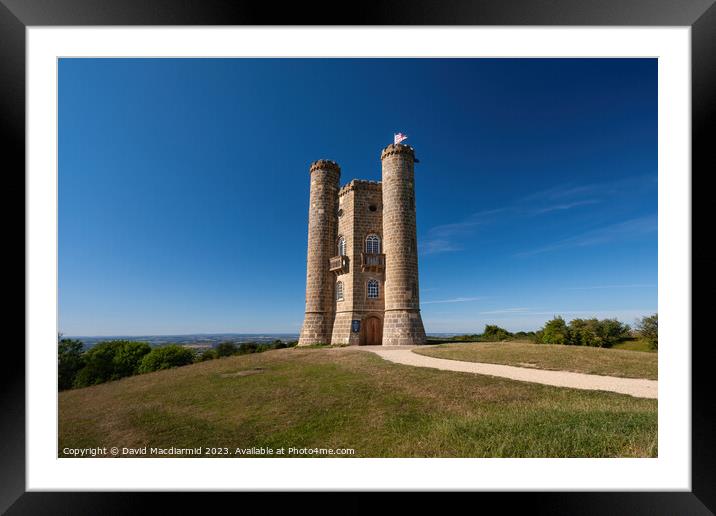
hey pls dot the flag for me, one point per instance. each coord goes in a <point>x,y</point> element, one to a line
<point>399,137</point>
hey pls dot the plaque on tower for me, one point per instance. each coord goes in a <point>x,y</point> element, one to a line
<point>355,326</point>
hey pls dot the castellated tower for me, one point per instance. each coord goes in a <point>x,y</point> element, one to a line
<point>403,323</point>
<point>362,268</point>
<point>320,305</point>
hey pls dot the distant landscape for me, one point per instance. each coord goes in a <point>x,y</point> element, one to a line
<point>203,340</point>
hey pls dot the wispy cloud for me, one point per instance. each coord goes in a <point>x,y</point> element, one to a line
<point>606,234</point>
<point>438,245</point>
<point>453,300</point>
<point>567,206</point>
<point>544,311</point>
<point>443,238</point>
<point>447,237</point>
<point>595,287</point>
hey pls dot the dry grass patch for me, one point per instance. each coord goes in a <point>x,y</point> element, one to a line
<point>578,359</point>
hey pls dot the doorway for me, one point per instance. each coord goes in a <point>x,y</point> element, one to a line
<point>371,331</point>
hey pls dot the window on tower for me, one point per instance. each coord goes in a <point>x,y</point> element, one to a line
<point>341,246</point>
<point>372,244</point>
<point>339,291</point>
<point>373,289</point>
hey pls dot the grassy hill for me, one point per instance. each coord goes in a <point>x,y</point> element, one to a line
<point>580,359</point>
<point>348,398</point>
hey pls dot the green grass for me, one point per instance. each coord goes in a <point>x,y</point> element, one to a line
<point>635,345</point>
<point>346,398</point>
<point>581,359</point>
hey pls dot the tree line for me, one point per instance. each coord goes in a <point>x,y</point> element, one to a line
<point>602,333</point>
<point>114,359</point>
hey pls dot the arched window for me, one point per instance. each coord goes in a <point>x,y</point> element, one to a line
<point>339,291</point>
<point>341,246</point>
<point>372,244</point>
<point>373,289</point>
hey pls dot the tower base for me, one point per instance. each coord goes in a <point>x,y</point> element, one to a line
<point>342,329</point>
<point>317,328</point>
<point>403,328</point>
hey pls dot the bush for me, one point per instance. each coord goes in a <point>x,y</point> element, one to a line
<point>554,332</point>
<point>583,332</point>
<point>464,338</point>
<point>494,333</point>
<point>248,347</point>
<point>226,349</point>
<point>525,335</point>
<point>648,329</point>
<point>166,357</point>
<point>111,360</point>
<point>208,354</point>
<point>69,362</point>
<point>610,331</point>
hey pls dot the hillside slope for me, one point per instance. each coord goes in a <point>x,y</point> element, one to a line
<point>347,398</point>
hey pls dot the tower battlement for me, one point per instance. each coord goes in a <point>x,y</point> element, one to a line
<point>397,148</point>
<point>362,265</point>
<point>324,164</point>
<point>360,184</point>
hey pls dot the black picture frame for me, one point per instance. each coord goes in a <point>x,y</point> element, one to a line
<point>700,15</point>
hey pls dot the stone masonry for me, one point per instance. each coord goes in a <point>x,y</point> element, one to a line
<point>362,265</point>
<point>403,324</point>
<point>320,303</point>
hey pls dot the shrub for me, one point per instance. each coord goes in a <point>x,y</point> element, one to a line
<point>494,333</point>
<point>584,332</point>
<point>278,344</point>
<point>581,332</point>
<point>111,360</point>
<point>226,349</point>
<point>525,335</point>
<point>554,332</point>
<point>69,362</point>
<point>465,338</point>
<point>166,357</point>
<point>610,331</point>
<point>248,347</point>
<point>128,358</point>
<point>648,329</point>
<point>208,354</point>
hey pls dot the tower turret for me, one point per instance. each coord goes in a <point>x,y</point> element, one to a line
<point>403,323</point>
<point>322,226</point>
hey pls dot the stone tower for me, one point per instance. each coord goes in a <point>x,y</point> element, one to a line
<point>362,267</point>
<point>320,306</point>
<point>403,323</point>
<point>359,265</point>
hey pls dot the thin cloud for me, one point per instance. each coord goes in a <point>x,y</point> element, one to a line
<point>438,246</point>
<point>568,206</point>
<point>621,230</point>
<point>453,300</point>
<point>595,287</point>
<point>446,237</point>
<point>441,239</point>
<point>552,313</point>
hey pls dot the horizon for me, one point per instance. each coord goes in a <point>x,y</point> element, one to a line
<point>183,187</point>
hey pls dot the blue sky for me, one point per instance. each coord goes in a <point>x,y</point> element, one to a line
<point>183,187</point>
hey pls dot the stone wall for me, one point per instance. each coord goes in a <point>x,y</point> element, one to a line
<point>360,214</point>
<point>402,323</point>
<point>322,226</point>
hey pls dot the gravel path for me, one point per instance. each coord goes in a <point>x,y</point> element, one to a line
<point>631,386</point>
